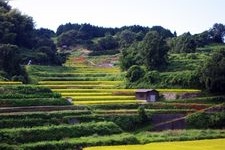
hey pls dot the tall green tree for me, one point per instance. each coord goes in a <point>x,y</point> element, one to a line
<point>154,50</point>
<point>213,72</point>
<point>9,61</point>
<point>184,43</point>
<point>217,33</point>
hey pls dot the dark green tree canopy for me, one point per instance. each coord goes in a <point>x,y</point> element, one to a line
<point>217,33</point>
<point>184,43</point>
<point>213,72</point>
<point>154,50</point>
<point>162,31</point>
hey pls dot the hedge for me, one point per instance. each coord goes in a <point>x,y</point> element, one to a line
<point>33,102</point>
<point>24,135</point>
<point>204,120</point>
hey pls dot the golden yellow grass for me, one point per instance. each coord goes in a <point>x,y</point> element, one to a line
<point>214,144</point>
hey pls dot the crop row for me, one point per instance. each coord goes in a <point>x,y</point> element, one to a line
<point>123,90</point>
<point>92,90</point>
<point>98,98</point>
<point>87,94</point>
<point>24,135</point>
<point>79,86</point>
<point>157,105</point>
<point>10,83</point>
<point>78,74</point>
<point>107,102</point>
<point>133,111</point>
<point>31,101</point>
<point>81,110</point>
<point>80,82</point>
<point>89,78</point>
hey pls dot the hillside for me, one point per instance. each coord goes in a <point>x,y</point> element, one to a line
<point>95,109</point>
<point>87,87</point>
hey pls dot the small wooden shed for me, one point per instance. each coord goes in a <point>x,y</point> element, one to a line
<point>150,95</point>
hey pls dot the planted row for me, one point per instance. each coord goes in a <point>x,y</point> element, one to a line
<point>107,102</point>
<point>157,105</point>
<point>46,115</point>
<point>80,82</point>
<point>58,86</point>
<point>122,91</point>
<point>99,98</point>
<point>25,135</point>
<point>84,74</point>
<point>31,102</point>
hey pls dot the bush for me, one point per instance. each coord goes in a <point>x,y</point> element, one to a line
<point>205,120</point>
<point>135,73</point>
<point>76,143</point>
<point>126,122</point>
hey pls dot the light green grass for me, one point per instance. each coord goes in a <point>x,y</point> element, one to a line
<point>216,144</point>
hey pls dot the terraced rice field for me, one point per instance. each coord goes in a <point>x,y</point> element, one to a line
<point>216,144</point>
<point>85,84</point>
<point>95,110</point>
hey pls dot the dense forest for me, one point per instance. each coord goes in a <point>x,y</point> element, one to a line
<point>145,52</point>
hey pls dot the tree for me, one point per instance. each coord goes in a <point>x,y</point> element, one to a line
<point>107,43</point>
<point>130,56</point>
<point>126,38</point>
<point>162,31</point>
<point>184,43</point>
<point>9,61</point>
<point>135,73</point>
<point>213,72</point>
<point>142,114</point>
<point>154,51</point>
<point>217,32</point>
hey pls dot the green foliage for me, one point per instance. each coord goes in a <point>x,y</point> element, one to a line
<point>33,119</point>
<point>204,120</point>
<point>130,56</point>
<point>142,114</point>
<point>153,77</point>
<point>135,73</point>
<point>217,32</point>
<point>78,143</point>
<point>154,51</point>
<point>213,72</point>
<point>165,33</point>
<point>126,38</point>
<point>25,101</point>
<point>106,43</point>
<point>21,135</point>
<point>9,61</point>
<point>184,43</point>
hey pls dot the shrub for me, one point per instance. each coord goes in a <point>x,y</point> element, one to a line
<point>135,73</point>
<point>205,120</point>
